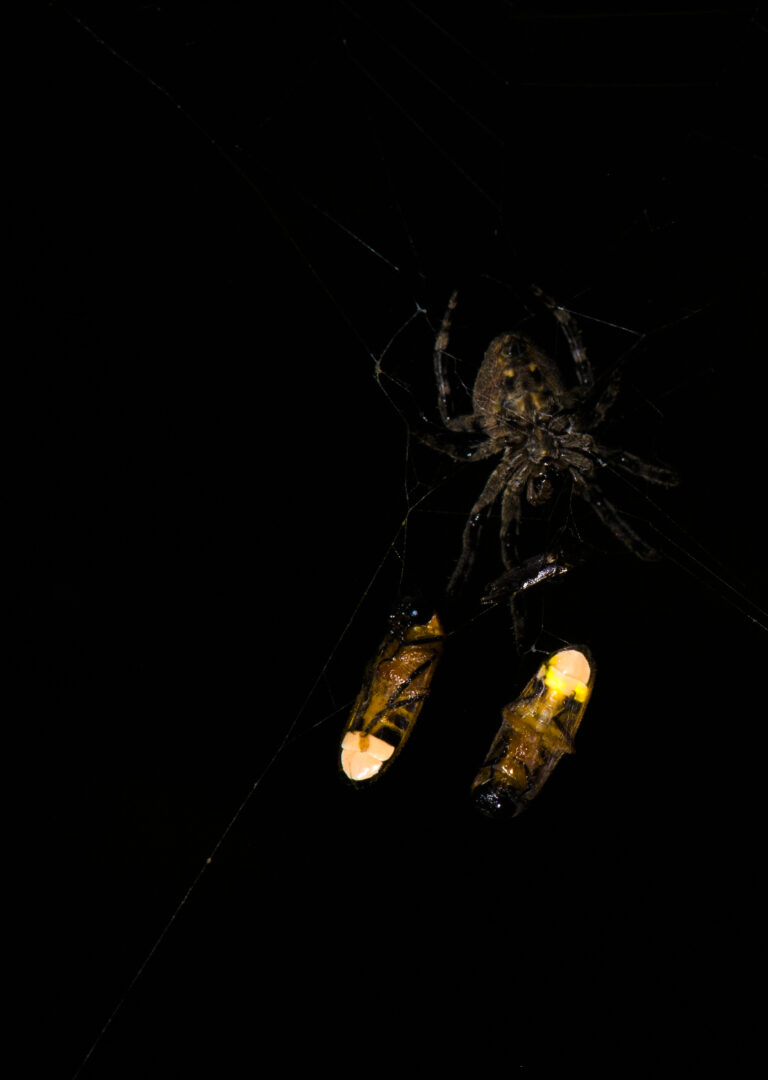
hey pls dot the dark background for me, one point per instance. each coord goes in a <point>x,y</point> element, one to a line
<point>225,221</point>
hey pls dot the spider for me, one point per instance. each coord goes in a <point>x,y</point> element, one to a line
<point>523,411</point>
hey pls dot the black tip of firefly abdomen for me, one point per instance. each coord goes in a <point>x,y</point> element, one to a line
<point>495,801</point>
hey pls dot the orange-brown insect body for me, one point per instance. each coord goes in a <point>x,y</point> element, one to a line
<point>537,730</point>
<point>395,688</point>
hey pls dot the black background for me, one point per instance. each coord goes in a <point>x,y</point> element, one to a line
<point>209,476</point>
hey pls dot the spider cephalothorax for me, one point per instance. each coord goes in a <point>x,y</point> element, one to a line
<point>523,412</point>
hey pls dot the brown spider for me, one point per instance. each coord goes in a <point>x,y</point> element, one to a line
<point>523,411</point>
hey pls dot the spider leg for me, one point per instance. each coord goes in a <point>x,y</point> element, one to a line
<point>573,336</point>
<point>605,402</point>
<point>453,423</point>
<point>476,453</point>
<point>510,516</point>
<point>488,496</point>
<point>525,575</point>
<point>613,520</point>
<point>516,580</point>
<point>580,460</point>
<point>511,510</point>
<point>636,466</point>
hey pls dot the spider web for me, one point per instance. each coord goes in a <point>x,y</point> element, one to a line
<point>245,234</point>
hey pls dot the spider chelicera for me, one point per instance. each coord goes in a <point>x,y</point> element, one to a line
<point>523,411</point>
